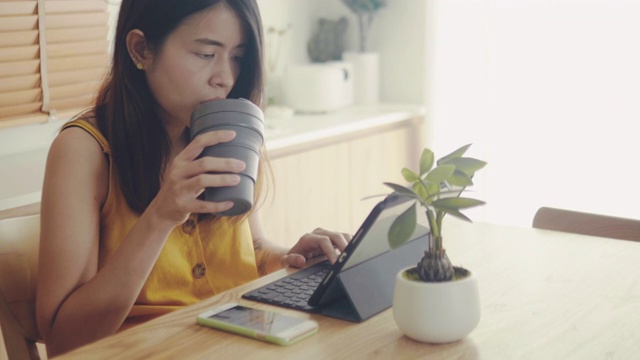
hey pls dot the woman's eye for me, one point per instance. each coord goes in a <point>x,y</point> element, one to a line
<point>238,58</point>
<point>205,56</point>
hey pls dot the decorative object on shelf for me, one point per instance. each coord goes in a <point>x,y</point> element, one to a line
<point>273,42</point>
<point>318,87</point>
<point>366,76</point>
<point>435,301</point>
<point>366,64</point>
<point>327,42</point>
<point>326,83</point>
<point>366,11</point>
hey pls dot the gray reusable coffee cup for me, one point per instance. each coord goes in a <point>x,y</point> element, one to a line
<point>247,120</point>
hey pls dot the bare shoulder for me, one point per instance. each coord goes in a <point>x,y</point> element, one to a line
<point>77,163</point>
<point>73,138</point>
<point>76,145</point>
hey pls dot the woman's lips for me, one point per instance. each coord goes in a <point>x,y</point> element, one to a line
<point>212,99</point>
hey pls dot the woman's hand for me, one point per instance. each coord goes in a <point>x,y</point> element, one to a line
<point>187,176</point>
<point>317,243</point>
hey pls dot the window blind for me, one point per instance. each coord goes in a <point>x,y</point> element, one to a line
<point>53,57</point>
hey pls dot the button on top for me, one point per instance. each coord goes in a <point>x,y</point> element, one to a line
<point>199,270</point>
<point>189,226</point>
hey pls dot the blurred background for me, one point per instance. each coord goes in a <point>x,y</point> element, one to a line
<point>547,92</point>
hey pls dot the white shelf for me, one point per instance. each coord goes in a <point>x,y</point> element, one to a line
<point>23,172</point>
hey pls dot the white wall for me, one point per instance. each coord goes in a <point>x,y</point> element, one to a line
<point>548,92</point>
<point>401,35</point>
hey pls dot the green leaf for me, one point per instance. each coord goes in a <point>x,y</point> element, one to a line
<point>456,154</point>
<point>409,175</point>
<point>374,196</point>
<point>437,188</point>
<point>440,173</point>
<point>420,190</point>
<point>461,179</point>
<point>433,188</point>
<point>402,227</point>
<point>456,203</point>
<point>465,164</point>
<point>401,190</point>
<point>457,214</point>
<point>426,161</point>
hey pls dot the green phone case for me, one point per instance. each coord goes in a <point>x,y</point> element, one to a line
<point>216,324</point>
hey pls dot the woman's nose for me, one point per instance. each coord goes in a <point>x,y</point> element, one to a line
<point>223,73</point>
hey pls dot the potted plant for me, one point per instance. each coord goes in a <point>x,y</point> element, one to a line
<point>435,301</point>
<point>366,64</point>
<point>365,11</point>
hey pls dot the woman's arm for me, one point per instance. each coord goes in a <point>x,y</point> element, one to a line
<point>271,257</point>
<point>76,303</point>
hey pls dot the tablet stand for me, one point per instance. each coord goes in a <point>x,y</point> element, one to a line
<point>367,288</point>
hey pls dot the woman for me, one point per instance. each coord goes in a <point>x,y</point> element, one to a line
<point>125,231</point>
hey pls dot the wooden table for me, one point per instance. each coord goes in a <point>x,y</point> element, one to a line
<point>544,295</point>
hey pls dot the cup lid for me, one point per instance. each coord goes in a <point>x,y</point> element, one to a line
<point>227,105</point>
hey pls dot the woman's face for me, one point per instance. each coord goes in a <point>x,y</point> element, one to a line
<point>199,61</point>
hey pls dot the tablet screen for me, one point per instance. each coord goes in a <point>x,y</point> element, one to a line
<point>375,240</point>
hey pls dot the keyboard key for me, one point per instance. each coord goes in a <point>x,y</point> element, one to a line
<point>293,291</point>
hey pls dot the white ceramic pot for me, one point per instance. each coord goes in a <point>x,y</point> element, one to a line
<point>317,88</point>
<point>366,76</point>
<point>438,312</point>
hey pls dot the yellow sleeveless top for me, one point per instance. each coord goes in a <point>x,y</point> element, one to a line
<point>198,260</point>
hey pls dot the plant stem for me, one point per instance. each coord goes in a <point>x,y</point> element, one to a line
<point>439,218</point>
<point>363,30</point>
<point>435,230</point>
<point>365,20</point>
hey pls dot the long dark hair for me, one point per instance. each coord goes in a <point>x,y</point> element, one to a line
<point>125,107</point>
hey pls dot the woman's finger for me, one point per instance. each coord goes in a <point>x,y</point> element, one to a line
<point>338,240</point>
<point>197,184</point>
<point>293,260</point>
<point>324,244</point>
<point>195,147</point>
<point>207,207</point>
<point>212,164</point>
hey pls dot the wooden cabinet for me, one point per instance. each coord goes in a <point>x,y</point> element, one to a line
<point>311,190</point>
<point>325,186</point>
<point>374,160</point>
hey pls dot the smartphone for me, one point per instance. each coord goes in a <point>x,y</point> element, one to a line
<point>260,324</point>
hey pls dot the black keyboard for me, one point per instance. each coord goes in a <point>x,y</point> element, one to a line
<point>294,290</point>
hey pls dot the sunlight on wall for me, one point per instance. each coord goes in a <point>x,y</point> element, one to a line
<point>548,93</point>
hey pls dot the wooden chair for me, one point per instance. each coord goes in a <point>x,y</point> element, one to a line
<point>19,242</point>
<point>587,223</point>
